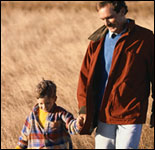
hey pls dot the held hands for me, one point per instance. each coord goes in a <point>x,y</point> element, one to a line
<point>80,121</point>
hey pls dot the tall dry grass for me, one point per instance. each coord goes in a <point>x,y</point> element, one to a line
<point>49,39</point>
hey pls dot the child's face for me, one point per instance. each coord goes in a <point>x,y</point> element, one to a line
<point>46,104</point>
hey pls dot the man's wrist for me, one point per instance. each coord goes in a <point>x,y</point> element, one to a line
<point>82,110</point>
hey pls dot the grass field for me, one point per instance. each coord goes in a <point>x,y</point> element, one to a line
<point>49,39</point>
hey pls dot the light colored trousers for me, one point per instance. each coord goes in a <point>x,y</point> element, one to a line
<point>109,136</point>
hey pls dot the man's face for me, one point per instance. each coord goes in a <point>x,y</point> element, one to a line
<point>46,104</point>
<point>113,21</point>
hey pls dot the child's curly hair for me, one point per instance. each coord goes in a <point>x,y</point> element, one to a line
<point>45,88</point>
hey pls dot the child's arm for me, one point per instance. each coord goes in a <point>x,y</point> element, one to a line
<point>80,122</point>
<point>73,125</point>
<point>23,139</point>
<point>76,126</point>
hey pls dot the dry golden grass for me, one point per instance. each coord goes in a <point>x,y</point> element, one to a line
<point>49,39</point>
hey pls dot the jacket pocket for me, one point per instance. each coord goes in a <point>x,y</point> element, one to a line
<point>135,47</point>
<point>126,104</point>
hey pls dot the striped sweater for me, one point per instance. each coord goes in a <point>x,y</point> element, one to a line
<point>56,134</point>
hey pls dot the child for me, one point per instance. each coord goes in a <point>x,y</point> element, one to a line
<point>48,125</point>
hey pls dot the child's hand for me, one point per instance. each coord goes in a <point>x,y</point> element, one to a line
<point>80,122</point>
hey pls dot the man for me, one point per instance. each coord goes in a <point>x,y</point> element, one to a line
<point>115,77</point>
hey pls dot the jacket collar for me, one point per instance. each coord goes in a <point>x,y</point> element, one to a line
<point>101,32</point>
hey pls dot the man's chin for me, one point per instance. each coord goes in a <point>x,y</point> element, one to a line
<point>112,29</point>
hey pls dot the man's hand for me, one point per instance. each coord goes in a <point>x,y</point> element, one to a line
<point>83,116</point>
<point>152,120</point>
<point>80,121</point>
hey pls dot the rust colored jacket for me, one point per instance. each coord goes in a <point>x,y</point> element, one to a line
<point>125,99</point>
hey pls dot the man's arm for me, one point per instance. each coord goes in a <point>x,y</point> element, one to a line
<point>82,84</point>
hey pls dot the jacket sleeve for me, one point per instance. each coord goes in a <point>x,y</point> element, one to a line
<point>72,128</point>
<point>83,79</point>
<point>69,121</point>
<point>23,139</point>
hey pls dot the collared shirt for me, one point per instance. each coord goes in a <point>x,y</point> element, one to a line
<point>59,125</point>
<point>116,34</point>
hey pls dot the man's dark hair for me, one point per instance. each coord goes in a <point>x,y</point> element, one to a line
<point>118,5</point>
<point>45,88</point>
